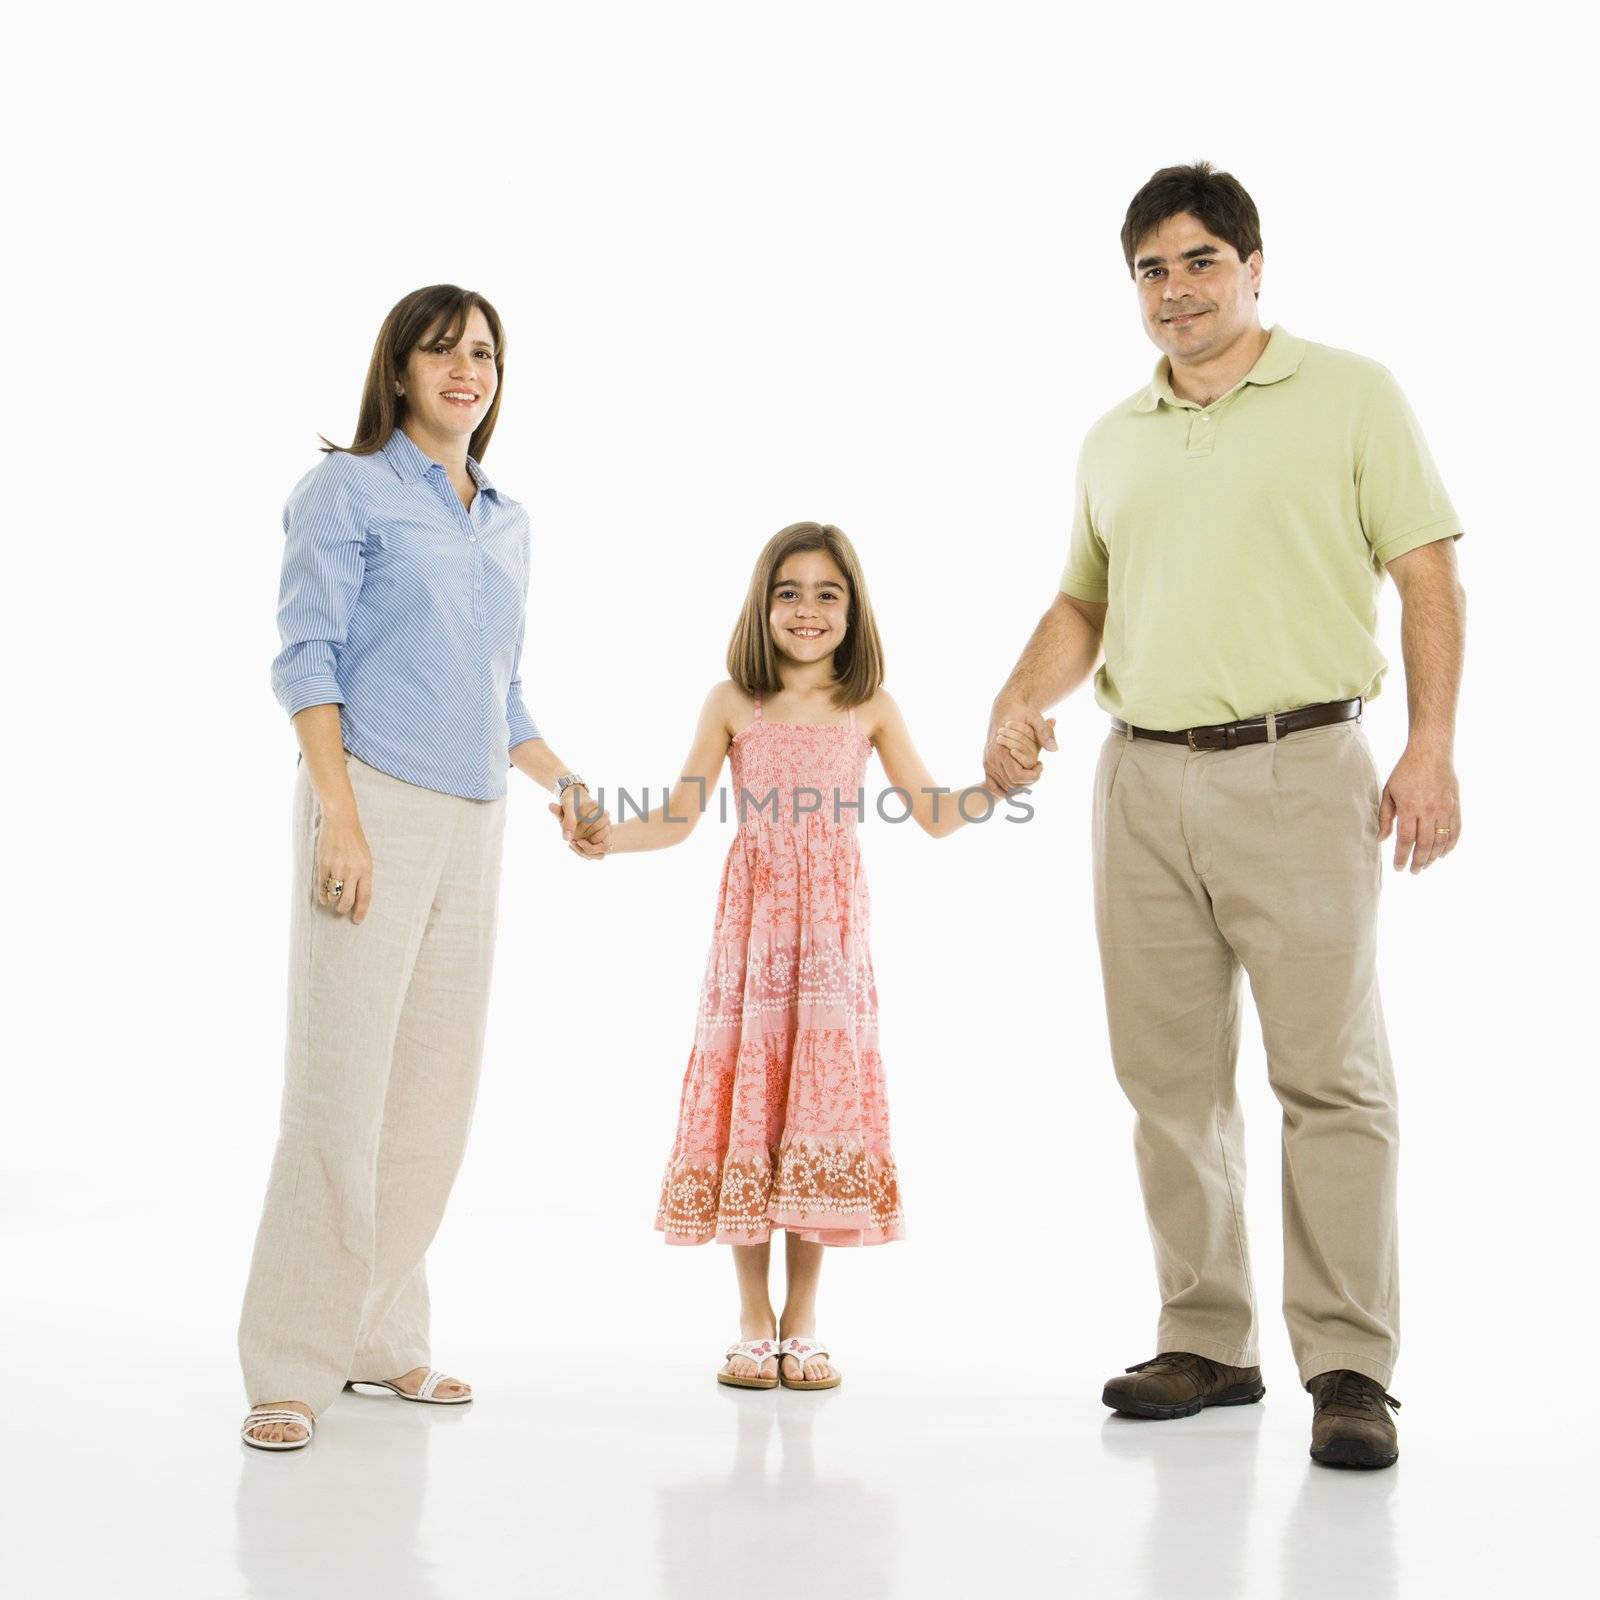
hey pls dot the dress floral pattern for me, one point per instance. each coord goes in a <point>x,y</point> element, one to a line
<point>783,1121</point>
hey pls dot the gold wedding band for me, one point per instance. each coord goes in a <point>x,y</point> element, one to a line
<point>1441,833</point>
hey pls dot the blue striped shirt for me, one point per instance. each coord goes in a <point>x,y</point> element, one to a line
<point>405,609</point>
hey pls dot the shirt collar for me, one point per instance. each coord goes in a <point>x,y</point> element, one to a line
<point>410,464</point>
<point>1279,360</point>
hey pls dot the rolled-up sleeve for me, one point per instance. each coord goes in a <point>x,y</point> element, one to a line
<point>323,566</point>
<point>519,725</point>
<point>518,722</point>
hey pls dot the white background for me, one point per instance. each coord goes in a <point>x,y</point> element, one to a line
<point>756,264</point>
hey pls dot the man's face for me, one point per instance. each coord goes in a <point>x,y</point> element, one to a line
<point>1195,294</point>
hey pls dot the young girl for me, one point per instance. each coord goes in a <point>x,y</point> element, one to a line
<point>783,1121</point>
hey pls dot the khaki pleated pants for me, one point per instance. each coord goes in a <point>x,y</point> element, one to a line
<point>1263,860</point>
<point>385,1038</point>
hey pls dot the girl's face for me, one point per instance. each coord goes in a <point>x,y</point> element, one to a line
<point>448,387</point>
<point>810,612</point>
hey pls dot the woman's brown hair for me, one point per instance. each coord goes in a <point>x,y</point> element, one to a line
<point>857,663</point>
<point>435,315</point>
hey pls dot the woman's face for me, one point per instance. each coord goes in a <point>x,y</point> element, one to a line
<point>810,606</point>
<point>448,388</point>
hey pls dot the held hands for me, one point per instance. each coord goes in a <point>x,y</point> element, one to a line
<point>1422,803</point>
<point>1011,757</point>
<point>588,836</point>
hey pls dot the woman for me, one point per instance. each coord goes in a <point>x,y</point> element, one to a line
<point>404,579</point>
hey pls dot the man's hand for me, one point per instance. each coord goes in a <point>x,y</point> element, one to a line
<point>584,825</point>
<point>1422,803</point>
<point>1019,738</point>
<point>1011,756</point>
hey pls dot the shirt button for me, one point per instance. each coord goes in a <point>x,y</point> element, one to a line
<point>472,538</point>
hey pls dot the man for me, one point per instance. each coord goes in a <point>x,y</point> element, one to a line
<point>1232,525</point>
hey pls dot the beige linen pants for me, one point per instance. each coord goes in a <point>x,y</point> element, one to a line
<point>1266,859</point>
<point>385,1037</point>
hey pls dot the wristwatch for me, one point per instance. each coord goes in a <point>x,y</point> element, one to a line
<point>566,781</point>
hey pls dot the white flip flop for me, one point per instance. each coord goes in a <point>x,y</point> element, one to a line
<point>759,1351</point>
<point>425,1394</point>
<point>804,1350</point>
<point>257,1418</point>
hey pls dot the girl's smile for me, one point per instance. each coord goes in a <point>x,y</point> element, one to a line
<point>810,611</point>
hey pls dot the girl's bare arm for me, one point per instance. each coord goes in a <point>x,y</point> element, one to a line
<point>691,793</point>
<point>937,812</point>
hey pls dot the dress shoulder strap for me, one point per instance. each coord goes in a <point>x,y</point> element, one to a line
<point>758,708</point>
<point>852,723</point>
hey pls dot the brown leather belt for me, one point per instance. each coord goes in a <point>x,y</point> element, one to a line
<point>1253,730</point>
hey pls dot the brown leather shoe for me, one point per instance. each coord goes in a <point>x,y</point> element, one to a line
<point>1177,1384</point>
<point>1350,1421</point>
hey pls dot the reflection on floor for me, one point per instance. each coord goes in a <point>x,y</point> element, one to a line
<point>618,1469</point>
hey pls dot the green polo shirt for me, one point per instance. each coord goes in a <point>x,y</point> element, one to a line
<point>1239,547</point>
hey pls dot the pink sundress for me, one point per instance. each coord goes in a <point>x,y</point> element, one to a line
<point>783,1121</point>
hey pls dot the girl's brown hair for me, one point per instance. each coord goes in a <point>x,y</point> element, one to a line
<point>752,656</point>
<point>437,314</point>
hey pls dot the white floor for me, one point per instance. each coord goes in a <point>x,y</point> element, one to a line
<point>618,1469</point>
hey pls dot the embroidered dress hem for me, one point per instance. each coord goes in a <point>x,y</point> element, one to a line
<point>834,1238</point>
<point>826,1194</point>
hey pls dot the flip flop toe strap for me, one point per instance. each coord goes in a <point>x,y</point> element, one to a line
<point>757,1350</point>
<point>804,1350</point>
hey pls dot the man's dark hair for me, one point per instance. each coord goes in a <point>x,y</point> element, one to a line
<point>1218,199</point>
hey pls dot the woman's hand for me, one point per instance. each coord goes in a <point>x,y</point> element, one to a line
<point>584,825</point>
<point>343,858</point>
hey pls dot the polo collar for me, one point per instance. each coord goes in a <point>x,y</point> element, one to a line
<point>410,464</point>
<point>1279,360</point>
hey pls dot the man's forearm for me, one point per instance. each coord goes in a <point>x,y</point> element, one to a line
<point>1433,627</point>
<point>1062,652</point>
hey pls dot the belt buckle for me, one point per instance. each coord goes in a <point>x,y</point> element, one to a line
<point>1211,738</point>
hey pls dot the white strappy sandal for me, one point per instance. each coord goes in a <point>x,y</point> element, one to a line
<point>759,1351</point>
<point>273,1416</point>
<point>425,1394</point>
<point>804,1350</point>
